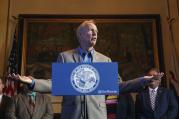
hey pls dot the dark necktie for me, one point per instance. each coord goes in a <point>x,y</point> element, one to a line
<point>87,58</point>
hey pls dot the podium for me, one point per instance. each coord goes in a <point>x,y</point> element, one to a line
<point>81,79</point>
<point>85,79</point>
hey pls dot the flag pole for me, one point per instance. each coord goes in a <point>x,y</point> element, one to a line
<point>6,42</point>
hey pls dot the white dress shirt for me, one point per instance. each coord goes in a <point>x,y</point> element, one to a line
<point>151,90</point>
<point>0,97</point>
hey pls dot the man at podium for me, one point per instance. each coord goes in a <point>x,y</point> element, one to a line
<point>95,104</point>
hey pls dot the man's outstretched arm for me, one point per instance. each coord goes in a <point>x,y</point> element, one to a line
<point>39,85</point>
<point>137,84</point>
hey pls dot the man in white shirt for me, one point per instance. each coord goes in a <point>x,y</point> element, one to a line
<point>156,102</point>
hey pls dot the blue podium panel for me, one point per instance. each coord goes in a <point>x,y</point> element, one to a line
<point>84,79</point>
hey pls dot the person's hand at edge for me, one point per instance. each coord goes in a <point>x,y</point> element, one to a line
<point>24,79</point>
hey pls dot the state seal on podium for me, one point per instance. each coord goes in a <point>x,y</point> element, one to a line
<point>85,78</point>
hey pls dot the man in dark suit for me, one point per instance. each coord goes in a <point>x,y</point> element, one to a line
<point>72,105</point>
<point>4,101</point>
<point>156,102</point>
<point>30,105</point>
<point>125,107</point>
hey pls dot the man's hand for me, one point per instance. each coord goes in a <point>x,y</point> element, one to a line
<point>24,79</point>
<point>148,77</point>
<point>157,77</point>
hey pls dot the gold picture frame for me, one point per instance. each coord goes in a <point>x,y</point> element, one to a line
<point>132,40</point>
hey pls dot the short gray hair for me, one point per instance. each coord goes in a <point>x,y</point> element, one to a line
<point>82,25</point>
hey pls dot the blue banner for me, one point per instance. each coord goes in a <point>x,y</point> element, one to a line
<point>85,79</point>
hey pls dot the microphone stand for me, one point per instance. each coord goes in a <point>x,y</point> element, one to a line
<point>85,107</point>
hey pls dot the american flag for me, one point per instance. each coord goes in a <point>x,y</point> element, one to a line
<point>11,84</point>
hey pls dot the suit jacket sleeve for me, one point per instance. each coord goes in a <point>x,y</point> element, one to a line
<point>11,111</point>
<point>172,107</point>
<point>45,86</point>
<point>49,109</point>
<point>133,85</point>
